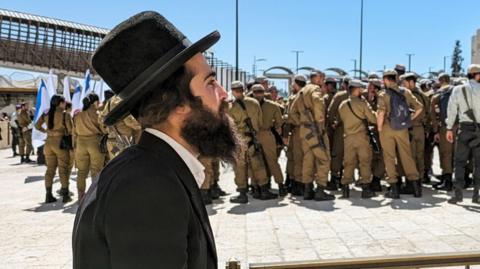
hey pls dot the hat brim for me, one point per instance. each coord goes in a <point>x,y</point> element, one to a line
<point>136,91</point>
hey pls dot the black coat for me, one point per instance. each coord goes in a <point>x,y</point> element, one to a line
<point>145,211</point>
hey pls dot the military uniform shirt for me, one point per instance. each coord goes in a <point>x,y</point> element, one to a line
<point>362,109</point>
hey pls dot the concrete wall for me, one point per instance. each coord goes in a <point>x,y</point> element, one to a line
<point>476,48</point>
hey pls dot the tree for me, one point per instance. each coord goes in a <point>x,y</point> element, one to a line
<point>457,60</point>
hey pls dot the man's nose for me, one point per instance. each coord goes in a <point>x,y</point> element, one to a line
<point>222,93</point>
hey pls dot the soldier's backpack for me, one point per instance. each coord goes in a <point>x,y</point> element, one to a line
<point>443,103</point>
<point>399,117</point>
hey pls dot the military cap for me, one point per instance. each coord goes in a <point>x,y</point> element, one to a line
<point>400,67</point>
<point>389,72</point>
<point>356,83</point>
<point>260,79</point>
<point>300,78</point>
<point>409,75</point>
<point>372,75</point>
<point>376,82</point>
<point>257,88</point>
<point>473,69</point>
<point>272,88</point>
<point>330,80</point>
<point>443,76</point>
<point>237,85</point>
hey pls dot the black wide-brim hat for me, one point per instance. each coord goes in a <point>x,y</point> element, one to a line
<point>141,53</point>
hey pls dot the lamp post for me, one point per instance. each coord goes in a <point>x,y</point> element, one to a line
<point>254,66</point>
<point>236,39</point>
<point>361,37</point>
<point>296,54</point>
<point>410,61</point>
<point>445,63</point>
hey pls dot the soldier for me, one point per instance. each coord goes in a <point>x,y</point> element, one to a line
<point>122,134</point>
<point>417,131</point>
<point>205,189</point>
<point>377,166</point>
<point>295,153</point>
<point>310,107</point>
<point>329,89</point>
<point>88,132</point>
<point>355,114</point>
<point>463,104</point>
<point>393,121</point>
<point>272,120</point>
<point>336,136</point>
<point>438,118</point>
<point>247,116</point>
<point>400,69</point>
<point>372,75</point>
<point>25,126</point>
<point>425,87</point>
<point>15,130</point>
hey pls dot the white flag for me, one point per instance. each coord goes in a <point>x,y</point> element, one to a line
<point>99,90</point>
<point>66,89</point>
<point>51,84</point>
<point>77,104</point>
<point>42,105</point>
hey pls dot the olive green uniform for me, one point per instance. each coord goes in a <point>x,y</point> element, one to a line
<point>310,108</point>
<point>337,133</point>
<point>356,139</point>
<point>54,155</point>
<point>124,133</point>
<point>209,172</point>
<point>417,142</point>
<point>88,132</point>
<point>271,118</point>
<point>429,136</point>
<point>295,152</point>
<point>25,144</point>
<point>445,148</point>
<point>394,141</point>
<point>377,165</point>
<point>248,162</point>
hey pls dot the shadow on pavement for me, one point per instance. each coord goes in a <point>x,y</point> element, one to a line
<point>255,205</point>
<point>217,205</point>
<point>326,206</point>
<point>58,205</point>
<point>31,179</point>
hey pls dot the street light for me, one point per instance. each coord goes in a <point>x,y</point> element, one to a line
<point>296,54</point>
<point>236,40</point>
<point>445,63</point>
<point>254,66</point>
<point>410,61</point>
<point>361,37</point>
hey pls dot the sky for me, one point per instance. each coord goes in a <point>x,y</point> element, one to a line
<point>327,31</point>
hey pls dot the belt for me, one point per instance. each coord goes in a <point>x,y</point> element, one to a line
<point>469,125</point>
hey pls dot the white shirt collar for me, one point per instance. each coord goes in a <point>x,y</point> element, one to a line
<point>196,168</point>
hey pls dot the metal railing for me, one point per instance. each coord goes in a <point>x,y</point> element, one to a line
<point>466,259</point>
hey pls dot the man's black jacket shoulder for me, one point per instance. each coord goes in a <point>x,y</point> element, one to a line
<point>145,211</point>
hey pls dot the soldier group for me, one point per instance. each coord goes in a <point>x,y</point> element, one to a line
<point>80,140</point>
<point>386,128</point>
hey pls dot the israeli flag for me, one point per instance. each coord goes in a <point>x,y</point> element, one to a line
<point>86,84</point>
<point>41,107</point>
<point>51,84</point>
<point>66,89</point>
<point>77,104</point>
<point>99,90</point>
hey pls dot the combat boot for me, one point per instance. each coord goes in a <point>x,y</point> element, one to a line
<point>426,177</point>
<point>408,188</point>
<point>217,190</point>
<point>288,183</point>
<point>65,193</point>
<point>214,195</point>
<point>255,192</point>
<point>242,197</point>
<point>468,181</point>
<point>49,196</point>
<point>282,190</point>
<point>207,200</point>
<point>265,193</point>
<point>297,188</point>
<point>475,196</point>
<point>27,159</point>
<point>321,195</point>
<point>393,192</point>
<point>457,196</point>
<point>376,185</point>
<point>441,182</point>
<point>447,183</point>
<point>22,159</point>
<point>345,191</point>
<point>333,184</point>
<point>417,188</point>
<point>308,192</point>
<point>367,191</point>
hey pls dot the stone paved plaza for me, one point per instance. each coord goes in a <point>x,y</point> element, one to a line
<point>35,235</point>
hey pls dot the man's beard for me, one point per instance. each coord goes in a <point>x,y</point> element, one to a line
<point>212,135</point>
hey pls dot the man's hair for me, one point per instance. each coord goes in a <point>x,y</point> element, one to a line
<point>173,92</point>
<point>390,78</point>
<point>300,83</point>
<point>445,79</point>
<point>472,76</point>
